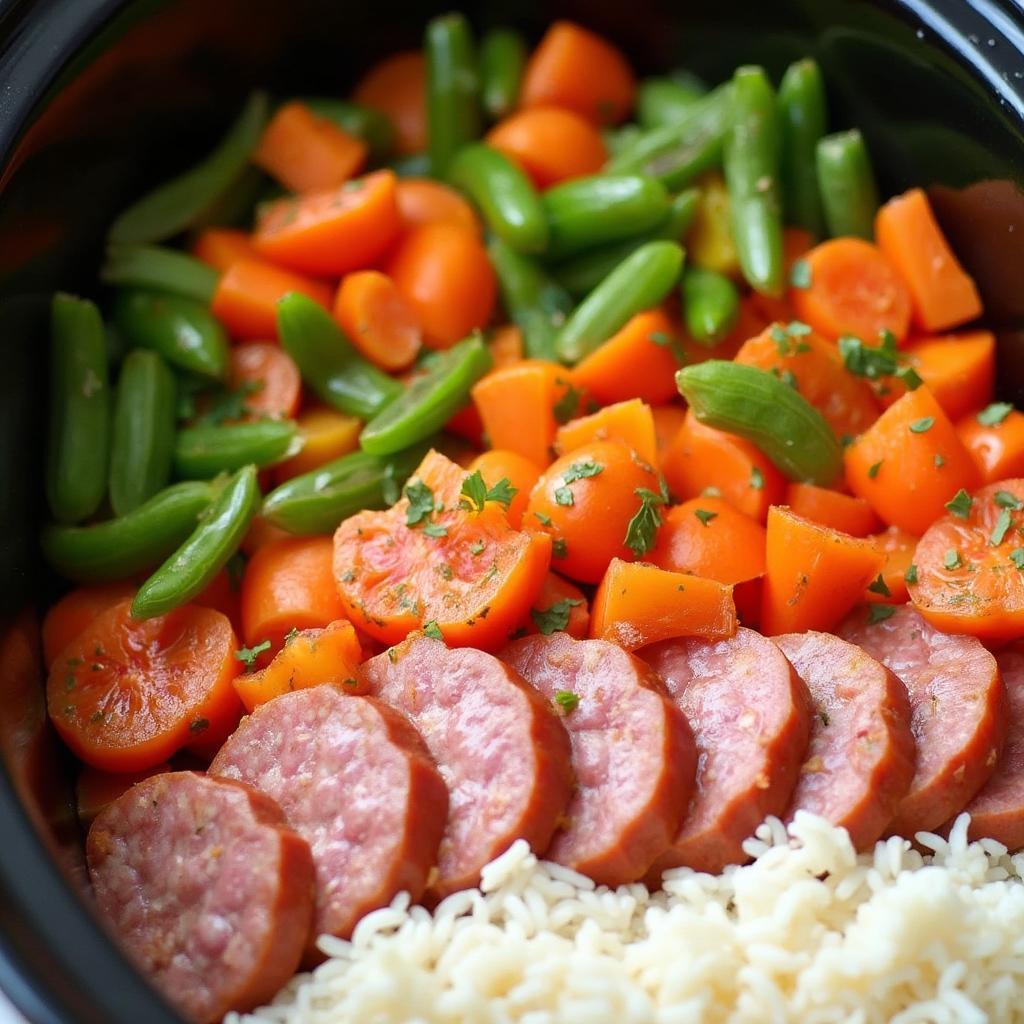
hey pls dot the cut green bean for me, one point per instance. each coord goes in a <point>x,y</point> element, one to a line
<point>329,362</point>
<point>758,406</point>
<point>119,548</point>
<point>711,305</point>
<point>453,101</point>
<point>159,269</point>
<point>803,120</point>
<point>618,140</point>
<point>201,453</point>
<point>642,280</point>
<point>751,164</point>
<point>145,419</point>
<point>181,202</point>
<point>502,63</point>
<point>430,400</point>
<point>218,535</point>
<point>847,185</point>
<point>662,101</point>
<point>182,330</point>
<point>505,195</point>
<point>373,127</point>
<point>79,438</point>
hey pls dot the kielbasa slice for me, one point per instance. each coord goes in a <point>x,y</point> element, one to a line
<point>206,888</point>
<point>500,748</point>
<point>957,711</point>
<point>355,780</point>
<point>861,757</point>
<point>632,751</point>
<point>997,811</point>
<point>750,716</point>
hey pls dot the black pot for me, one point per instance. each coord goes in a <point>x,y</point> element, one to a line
<point>99,98</point>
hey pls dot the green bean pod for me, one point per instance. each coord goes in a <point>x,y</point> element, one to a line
<point>587,212</point>
<point>583,273</point>
<point>79,439</point>
<point>537,304</point>
<point>502,63</point>
<point>182,330</point>
<point>217,536</point>
<point>159,269</point>
<point>145,419</point>
<point>751,163</point>
<point>316,502</point>
<point>119,548</point>
<point>661,101</point>
<point>373,127</point>
<point>505,195</point>
<point>328,361</point>
<point>803,120</point>
<point>847,185</point>
<point>453,109</point>
<point>711,305</point>
<point>430,400</point>
<point>640,281</point>
<point>618,140</point>
<point>758,406</point>
<point>203,452</point>
<point>677,153</point>
<point>180,203</point>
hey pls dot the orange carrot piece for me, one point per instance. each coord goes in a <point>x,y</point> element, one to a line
<point>668,421</point>
<point>640,361</point>
<point>397,87</point>
<point>310,657</point>
<point>997,449</point>
<point>220,247</point>
<point>424,201</point>
<point>276,385</point>
<point>247,294</point>
<point>814,576</point>
<point>556,596</point>
<point>331,232</point>
<point>94,789</point>
<point>853,289</point>
<point>629,422</point>
<point>578,70</point>
<point>703,459</point>
<point>378,320</point>
<point>522,473</point>
<point>897,546</point>
<point>910,463</point>
<point>69,617</point>
<point>306,153</point>
<point>638,604</point>
<point>942,293</point>
<point>838,511</point>
<point>506,345</point>
<point>326,435</point>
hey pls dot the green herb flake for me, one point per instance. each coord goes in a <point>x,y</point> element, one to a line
<point>704,516</point>
<point>910,576</point>
<point>543,519</point>
<point>435,530</point>
<point>951,559</point>
<point>421,502</point>
<point>477,547</point>
<point>643,527</point>
<point>922,425</point>
<point>559,548</point>
<point>565,408</point>
<point>566,701</point>
<point>248,655</point>
<point>960,505</point>
<point>939,460</point>
<point>199,725</point>
<point>475,493</point>
<point>879,586</point>
<point>874,468</point>
<point>756,478</point>
<point>788,377</point>
<point>800,274</point>
<point>229,405</point>
<point>1017,557</point>
<point>235,569</point>
<point>291,635</point>
<point>999,531</point>
<point>433,630</point>
<point>880,612</point>
<point>582,470</point>
<point>1004,499</point>
<point>563,496</point>
<point>994,414</point>
<point>555,618</point>
<point>349,683</point>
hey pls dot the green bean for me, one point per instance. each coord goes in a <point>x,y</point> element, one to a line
<point>182,330</point>
<point>847,185</point>
<point>582,274</point>
<point>618,140</point>
<point>587,212</point>
<point>160,269</point>
<point>661,101</point>
<point>79,440</point>
<point>505,195</point>
<point>181,202</point>
<point>143,436</point>
<point>502,63</point>
<point>328,361</point>
<point>677,153</point>
<point>373,127</point>
<point>216,537</point>
<point>757,406</point>
<point>119,548</point>
<point>711,305</point>
<point>803,120</point>
<point>752,176</point>
<point>453,112</point>
<point>416,165</point>
<point>318,501</point>
<point>430,400</point>
<point>203,452</point>
<point>640,281</point>
<point>537,304</point>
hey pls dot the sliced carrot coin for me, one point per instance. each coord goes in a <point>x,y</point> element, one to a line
<point>425,201</point>
<point>996,446</point>
<point>270,378</point>
<point>397,86</point>
<point>377,319</point>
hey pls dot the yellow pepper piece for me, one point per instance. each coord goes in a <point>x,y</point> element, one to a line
<point>709,242</point>
<point>326,435</point>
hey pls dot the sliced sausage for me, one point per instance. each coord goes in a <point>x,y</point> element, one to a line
<point>750,716</point>
<point>998,809</point>
<point>500,748</point>
<point>861,756</point>
<point>632,751</point>
<point>357,783</point>
<point>957,711</point>
<point>206,888</point>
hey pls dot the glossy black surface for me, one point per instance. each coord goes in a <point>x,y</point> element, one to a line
<point>100,97</point>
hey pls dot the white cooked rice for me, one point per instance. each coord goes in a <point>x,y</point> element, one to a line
<point>808,932</point>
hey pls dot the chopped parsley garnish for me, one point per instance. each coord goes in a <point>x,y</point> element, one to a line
<point>567,701</point>
<point>421,502</point>
<point>1017,557</point>
<point>475,493</point>
<point>879,586</point>
<point>559,548</point>
<point>756,478</point>
<point>704,515</point>
<point>199,725</point>
<point>248,655</point>
<point>999,531</point>
<point>433,630</point>
<point>555,618</point>
<point>922,425</point>
<point>543,519</point>
<point>565,408</point>
<point>477,547</point>
<point>435,530</point>
<point>784,338</point>
<point>229,405</point>
<point>874,468</point>
<point>577,471</point>
<point>563,496</point>
<point>951,559</point>
<point>910,576</point>
<point>994,414</point>
<point>643,527</point>
<point>1004,499</point>
<point>875,361</point>
<point>960,504</point>
<point>800,274</point>
<point>939,460</point>
<point>880,612</point>
<point>665,340</point>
